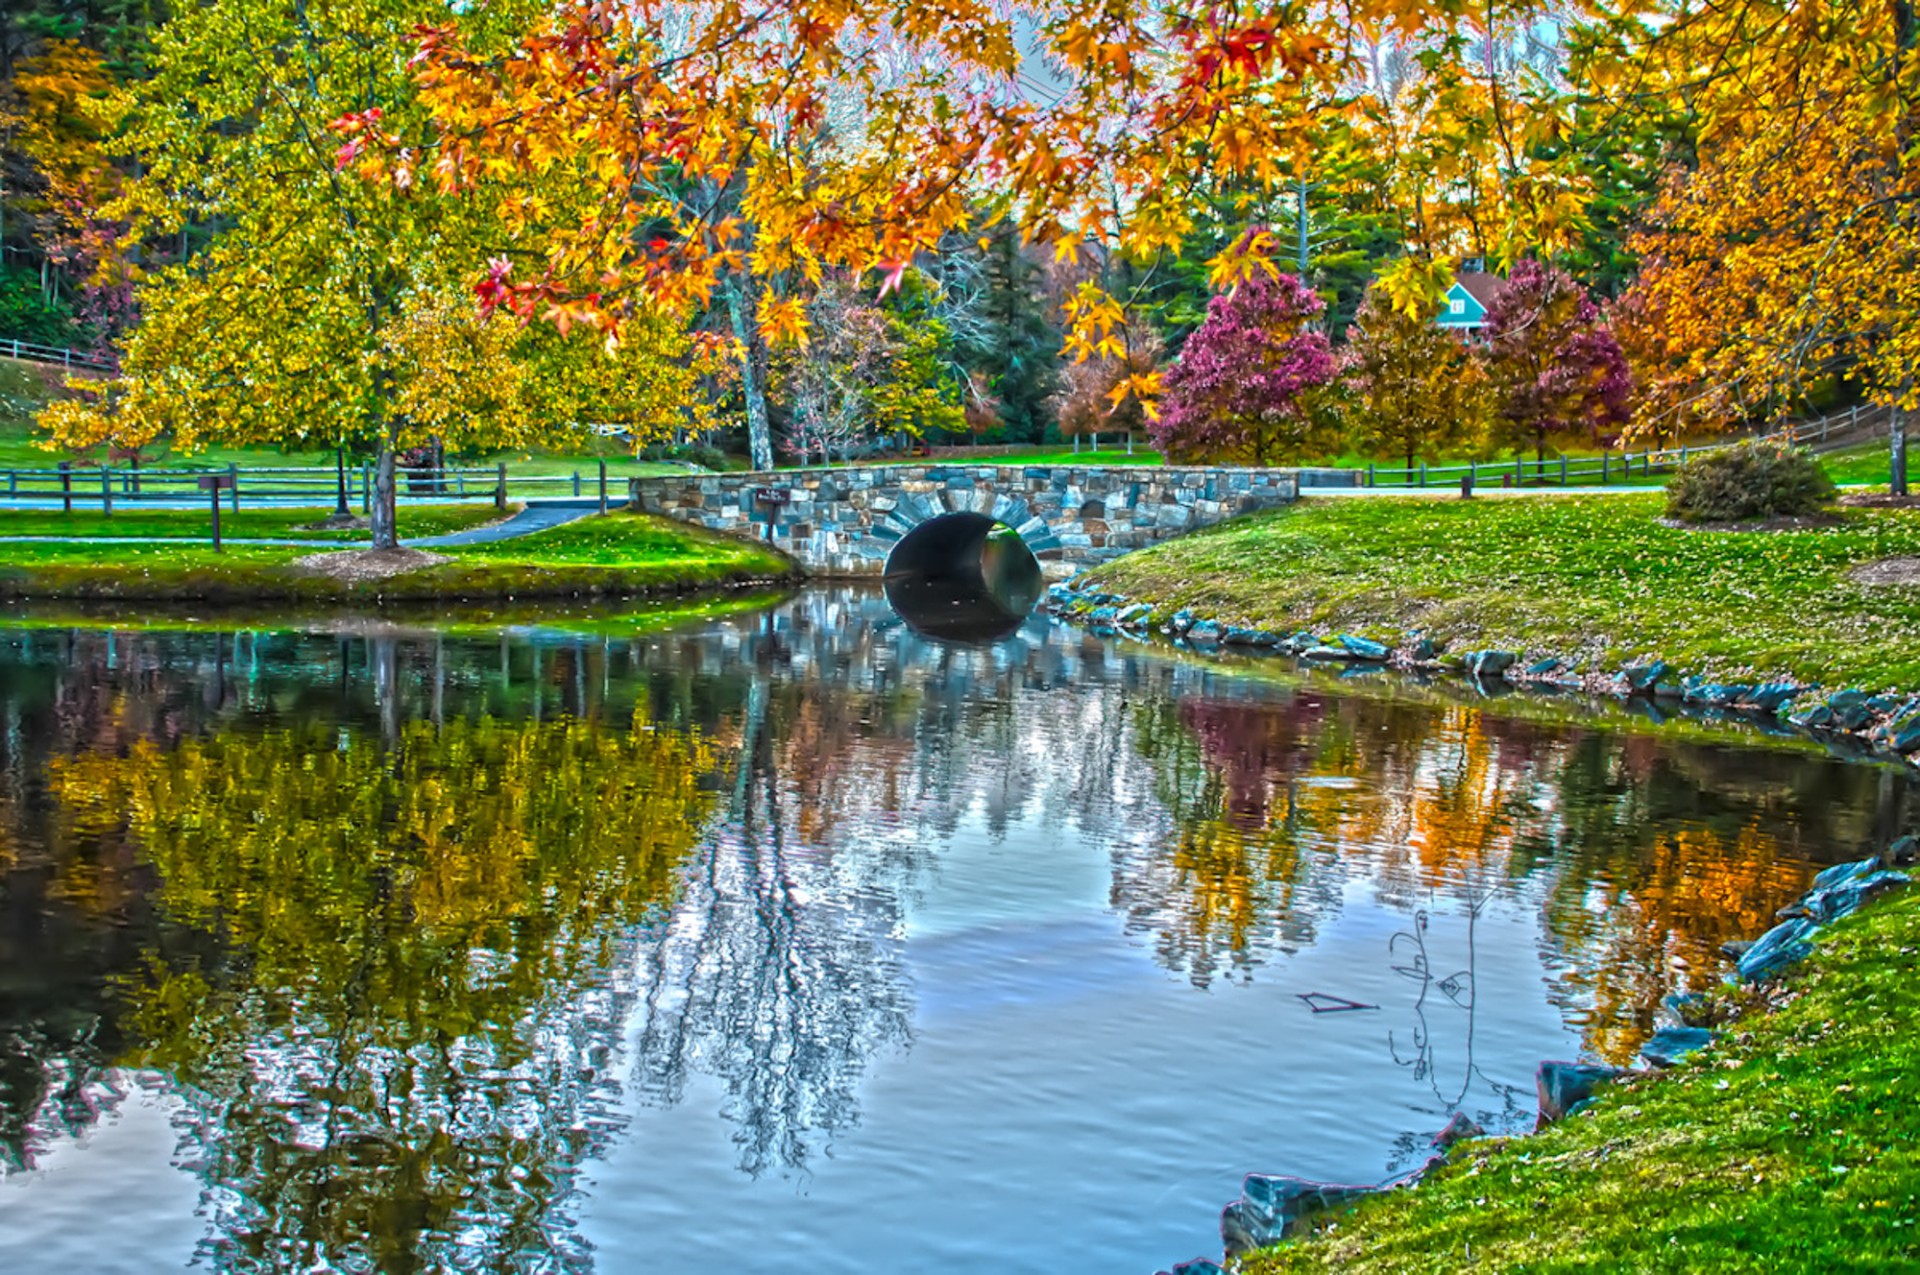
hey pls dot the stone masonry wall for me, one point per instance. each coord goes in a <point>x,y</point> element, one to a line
<point>844,522</point>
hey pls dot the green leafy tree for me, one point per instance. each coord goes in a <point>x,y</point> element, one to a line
<point>301,320</point>
<point>1413,388</point>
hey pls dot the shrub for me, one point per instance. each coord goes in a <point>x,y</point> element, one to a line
<point>1751,480</point>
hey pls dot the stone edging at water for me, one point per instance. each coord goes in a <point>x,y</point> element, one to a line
<point>1271,1209</point>
<point>1852,720</point>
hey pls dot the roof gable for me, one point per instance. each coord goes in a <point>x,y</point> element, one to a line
<point>1466,302</point>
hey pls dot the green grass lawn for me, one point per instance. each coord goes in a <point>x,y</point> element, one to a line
<point>415,520</point>
<point>1792,1145</point>
<point>614,554</point>
<point>1579,575</point>
<point>20,448</point>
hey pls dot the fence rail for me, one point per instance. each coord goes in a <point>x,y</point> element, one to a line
<point>1840,429</point>
<point>109,486</point>
<point>30,352</point>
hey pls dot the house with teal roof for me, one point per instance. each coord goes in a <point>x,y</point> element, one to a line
<point>1465,306</point>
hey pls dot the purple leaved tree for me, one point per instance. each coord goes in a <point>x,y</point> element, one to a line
<point>1243,387</point>
<point>1557,370</point>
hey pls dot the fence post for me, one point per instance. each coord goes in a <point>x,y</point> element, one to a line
<point>1606,458</point>
<point>576,482</point>
<point>1563,471</point>
<point>106,492</point>
<point>66,486</point>
<point>1684,452</point>
<point>603,486</point>
<point>233,472</point>
<point>13,482</point>
<point>500,488</point>
<point>1423,473</point>
<point>1473,471</point>
<point>366,487</point>
<point>1369,473</point>
<point>1519,471</point>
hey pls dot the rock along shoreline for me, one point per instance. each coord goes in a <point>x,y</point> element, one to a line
<point>1853,722</point>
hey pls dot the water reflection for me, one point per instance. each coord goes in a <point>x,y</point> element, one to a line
<point>417,927</point>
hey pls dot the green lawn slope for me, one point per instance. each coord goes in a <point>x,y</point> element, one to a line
<point>1593,576</point>
<point>1792,1145</point>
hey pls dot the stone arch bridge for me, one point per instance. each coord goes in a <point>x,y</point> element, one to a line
<point>868,520</point>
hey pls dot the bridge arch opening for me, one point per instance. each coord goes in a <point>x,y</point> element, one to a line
<point>963,577</point>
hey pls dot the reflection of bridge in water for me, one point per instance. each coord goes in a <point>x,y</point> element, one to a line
<point>844,522</point>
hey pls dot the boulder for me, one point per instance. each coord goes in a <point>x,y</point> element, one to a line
<point>1847,699</point>
<point>1817,717</point>
<point>1198,1266</point>
<point>1237,636</point>
<point>1904,738</point>
<point>1269,1208</point>
<point>1841,873</point>
<point>1103,614</point>
<point>1133,616</point>
<point>1902,851</point>
<point>1714,694</point>
<point>1669,1045</point>
<point>1737,948</point>
<point>1331,653</point>
<point>1689,1009</point>
<point>1644,677</point>
<point>1541,668</point>
<point>1424,650</point>
<point>1564,1086</point>
<point>1830,905</point>
<point>1266,640</point>
<point>1459,1129</point>
<point>1486,664</point>
<point>1205,631</point>
<point>1784,945</point>
<point>1182,620</point>
<point>1360,648</point>
<point>1850,716</point>
<point>1770,697</point>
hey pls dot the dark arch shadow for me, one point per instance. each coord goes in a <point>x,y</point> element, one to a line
<point>962,578</point>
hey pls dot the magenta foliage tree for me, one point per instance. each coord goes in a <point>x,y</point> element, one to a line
<point>1242,389</point>
<point>1556,368</point>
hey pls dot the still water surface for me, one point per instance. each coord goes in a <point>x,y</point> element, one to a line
<point>796,941</point>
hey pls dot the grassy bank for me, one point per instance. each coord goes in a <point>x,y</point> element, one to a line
<point>1792,1145</point>
<point>265,524</point>
<point>611,555</point>
<point>1594,576</point>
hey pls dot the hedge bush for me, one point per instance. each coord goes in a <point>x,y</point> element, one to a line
<point>1751,480</point>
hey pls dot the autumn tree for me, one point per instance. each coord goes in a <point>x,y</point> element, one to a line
<point>313,316</point>
<point>866,373</point>
<point>1243,387</point>
<point>1414,388</point>
<point>1790,254</point>
<point>1557,370</point>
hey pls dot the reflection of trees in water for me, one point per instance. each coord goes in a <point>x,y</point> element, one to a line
<point>1651,852</point>
<point>777,972</point>
<point>392,1043</point>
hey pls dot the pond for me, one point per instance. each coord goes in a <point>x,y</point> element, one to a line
<point>794,940</point>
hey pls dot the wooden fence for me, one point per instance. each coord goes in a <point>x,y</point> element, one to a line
<point>109,486</point>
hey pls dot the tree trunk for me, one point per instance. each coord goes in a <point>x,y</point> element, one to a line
<point>385,532</point>
<point>340,509</point>
<point>759,433</point>
<point>1898,451</point>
